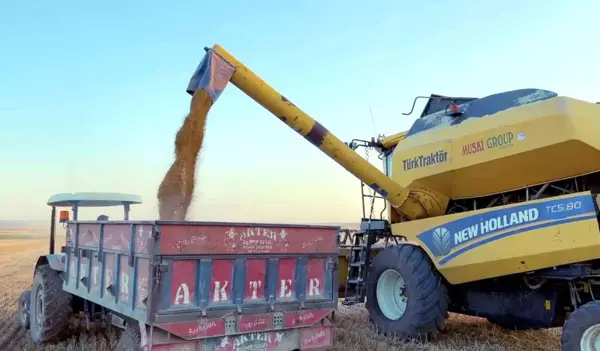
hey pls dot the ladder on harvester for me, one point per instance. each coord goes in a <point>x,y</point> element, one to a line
<point>359,258</point>
<point>358,263</point>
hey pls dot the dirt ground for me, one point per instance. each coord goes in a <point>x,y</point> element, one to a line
<point>353,332</point>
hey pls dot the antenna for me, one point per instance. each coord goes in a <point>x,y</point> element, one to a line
<point>373,120</point>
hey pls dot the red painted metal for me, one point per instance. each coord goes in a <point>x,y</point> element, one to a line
<point>246,239</point>
<point>211,285</point>
<point>183,283</point>
<point>316,278</point>
<point>206,327</point>
<point>287,278</point>
<point>315,338</point>
<point>256,270</point>
<point>221,281</point>
<point>304,318</point>
<point>255,323</point>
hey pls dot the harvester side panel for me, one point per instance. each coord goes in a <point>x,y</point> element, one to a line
<point>201,280</point>
<point>509,239</point>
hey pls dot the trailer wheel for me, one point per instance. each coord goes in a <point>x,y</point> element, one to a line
<point>406,297</point>
<point>49,306</point>
<point>23,313</point>
<point>581,332</point>
<point>131,339</point>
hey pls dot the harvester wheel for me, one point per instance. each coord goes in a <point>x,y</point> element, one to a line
<point>49,306</point>
<point>23,313</point>
<point>131,339</point>
<point>581,332</point>
<point>406,297</point>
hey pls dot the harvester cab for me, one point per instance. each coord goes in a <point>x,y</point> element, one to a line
<point>492,207</point>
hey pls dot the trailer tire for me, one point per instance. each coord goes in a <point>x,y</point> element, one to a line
<point>49,306</point>
<point>583,325</point>
<point>24,311</point>
<point>131,339</point>
<point>424,294</point>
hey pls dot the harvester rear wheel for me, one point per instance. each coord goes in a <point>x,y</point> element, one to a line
<point>406,297</point>
<point>49,306</point>
<point>581,332</point>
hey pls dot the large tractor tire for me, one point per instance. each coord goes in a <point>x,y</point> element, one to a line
<point>581,331</point>
<point>406,297</point>
<point>50,306</point>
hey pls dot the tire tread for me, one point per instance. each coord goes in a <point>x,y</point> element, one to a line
<point>574,327</point>
<point>57,305</point>
<point>430,303</point>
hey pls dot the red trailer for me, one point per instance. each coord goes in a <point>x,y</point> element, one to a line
<point>198,285</point>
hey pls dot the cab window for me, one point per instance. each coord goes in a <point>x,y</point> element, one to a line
<point>387,164</point>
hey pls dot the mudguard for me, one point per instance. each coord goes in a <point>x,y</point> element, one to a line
<point>56,261</point>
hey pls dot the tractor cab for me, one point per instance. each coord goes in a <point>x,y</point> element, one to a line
<point>78,200</point>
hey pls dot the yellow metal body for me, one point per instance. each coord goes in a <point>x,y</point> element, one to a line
<point>393,140</point>
<point>516,249</point>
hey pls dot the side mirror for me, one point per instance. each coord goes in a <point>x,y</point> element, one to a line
<point>64,216</point>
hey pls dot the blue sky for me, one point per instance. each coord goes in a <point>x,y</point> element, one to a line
<point>91,95</point>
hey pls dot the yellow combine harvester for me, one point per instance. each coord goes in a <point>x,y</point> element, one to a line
<point>493,209</point>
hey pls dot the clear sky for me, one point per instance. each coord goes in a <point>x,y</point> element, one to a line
<point>91,94</point>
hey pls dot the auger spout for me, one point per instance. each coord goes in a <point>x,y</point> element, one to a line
<point>218,67</point>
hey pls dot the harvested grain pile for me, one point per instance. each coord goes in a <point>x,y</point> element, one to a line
<point>177,188</point>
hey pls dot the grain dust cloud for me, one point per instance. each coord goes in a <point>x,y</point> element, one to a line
<point>176,191</point>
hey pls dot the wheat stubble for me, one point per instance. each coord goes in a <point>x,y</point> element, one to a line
<point>176,191</point>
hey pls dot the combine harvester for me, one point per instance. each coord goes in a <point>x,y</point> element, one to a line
<point>493,209</point>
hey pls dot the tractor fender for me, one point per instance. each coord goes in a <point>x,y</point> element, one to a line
<point>57,261</point>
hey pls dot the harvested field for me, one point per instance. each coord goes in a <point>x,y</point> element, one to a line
<point>17,258</point>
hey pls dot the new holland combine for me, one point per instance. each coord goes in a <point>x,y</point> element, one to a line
<point>493,209</point>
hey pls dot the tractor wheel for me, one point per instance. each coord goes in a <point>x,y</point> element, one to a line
<point>406,297</point>
<point>23,313</point>
<point>50,305</point>
<point>131,339</point>
<point>581,332</point>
